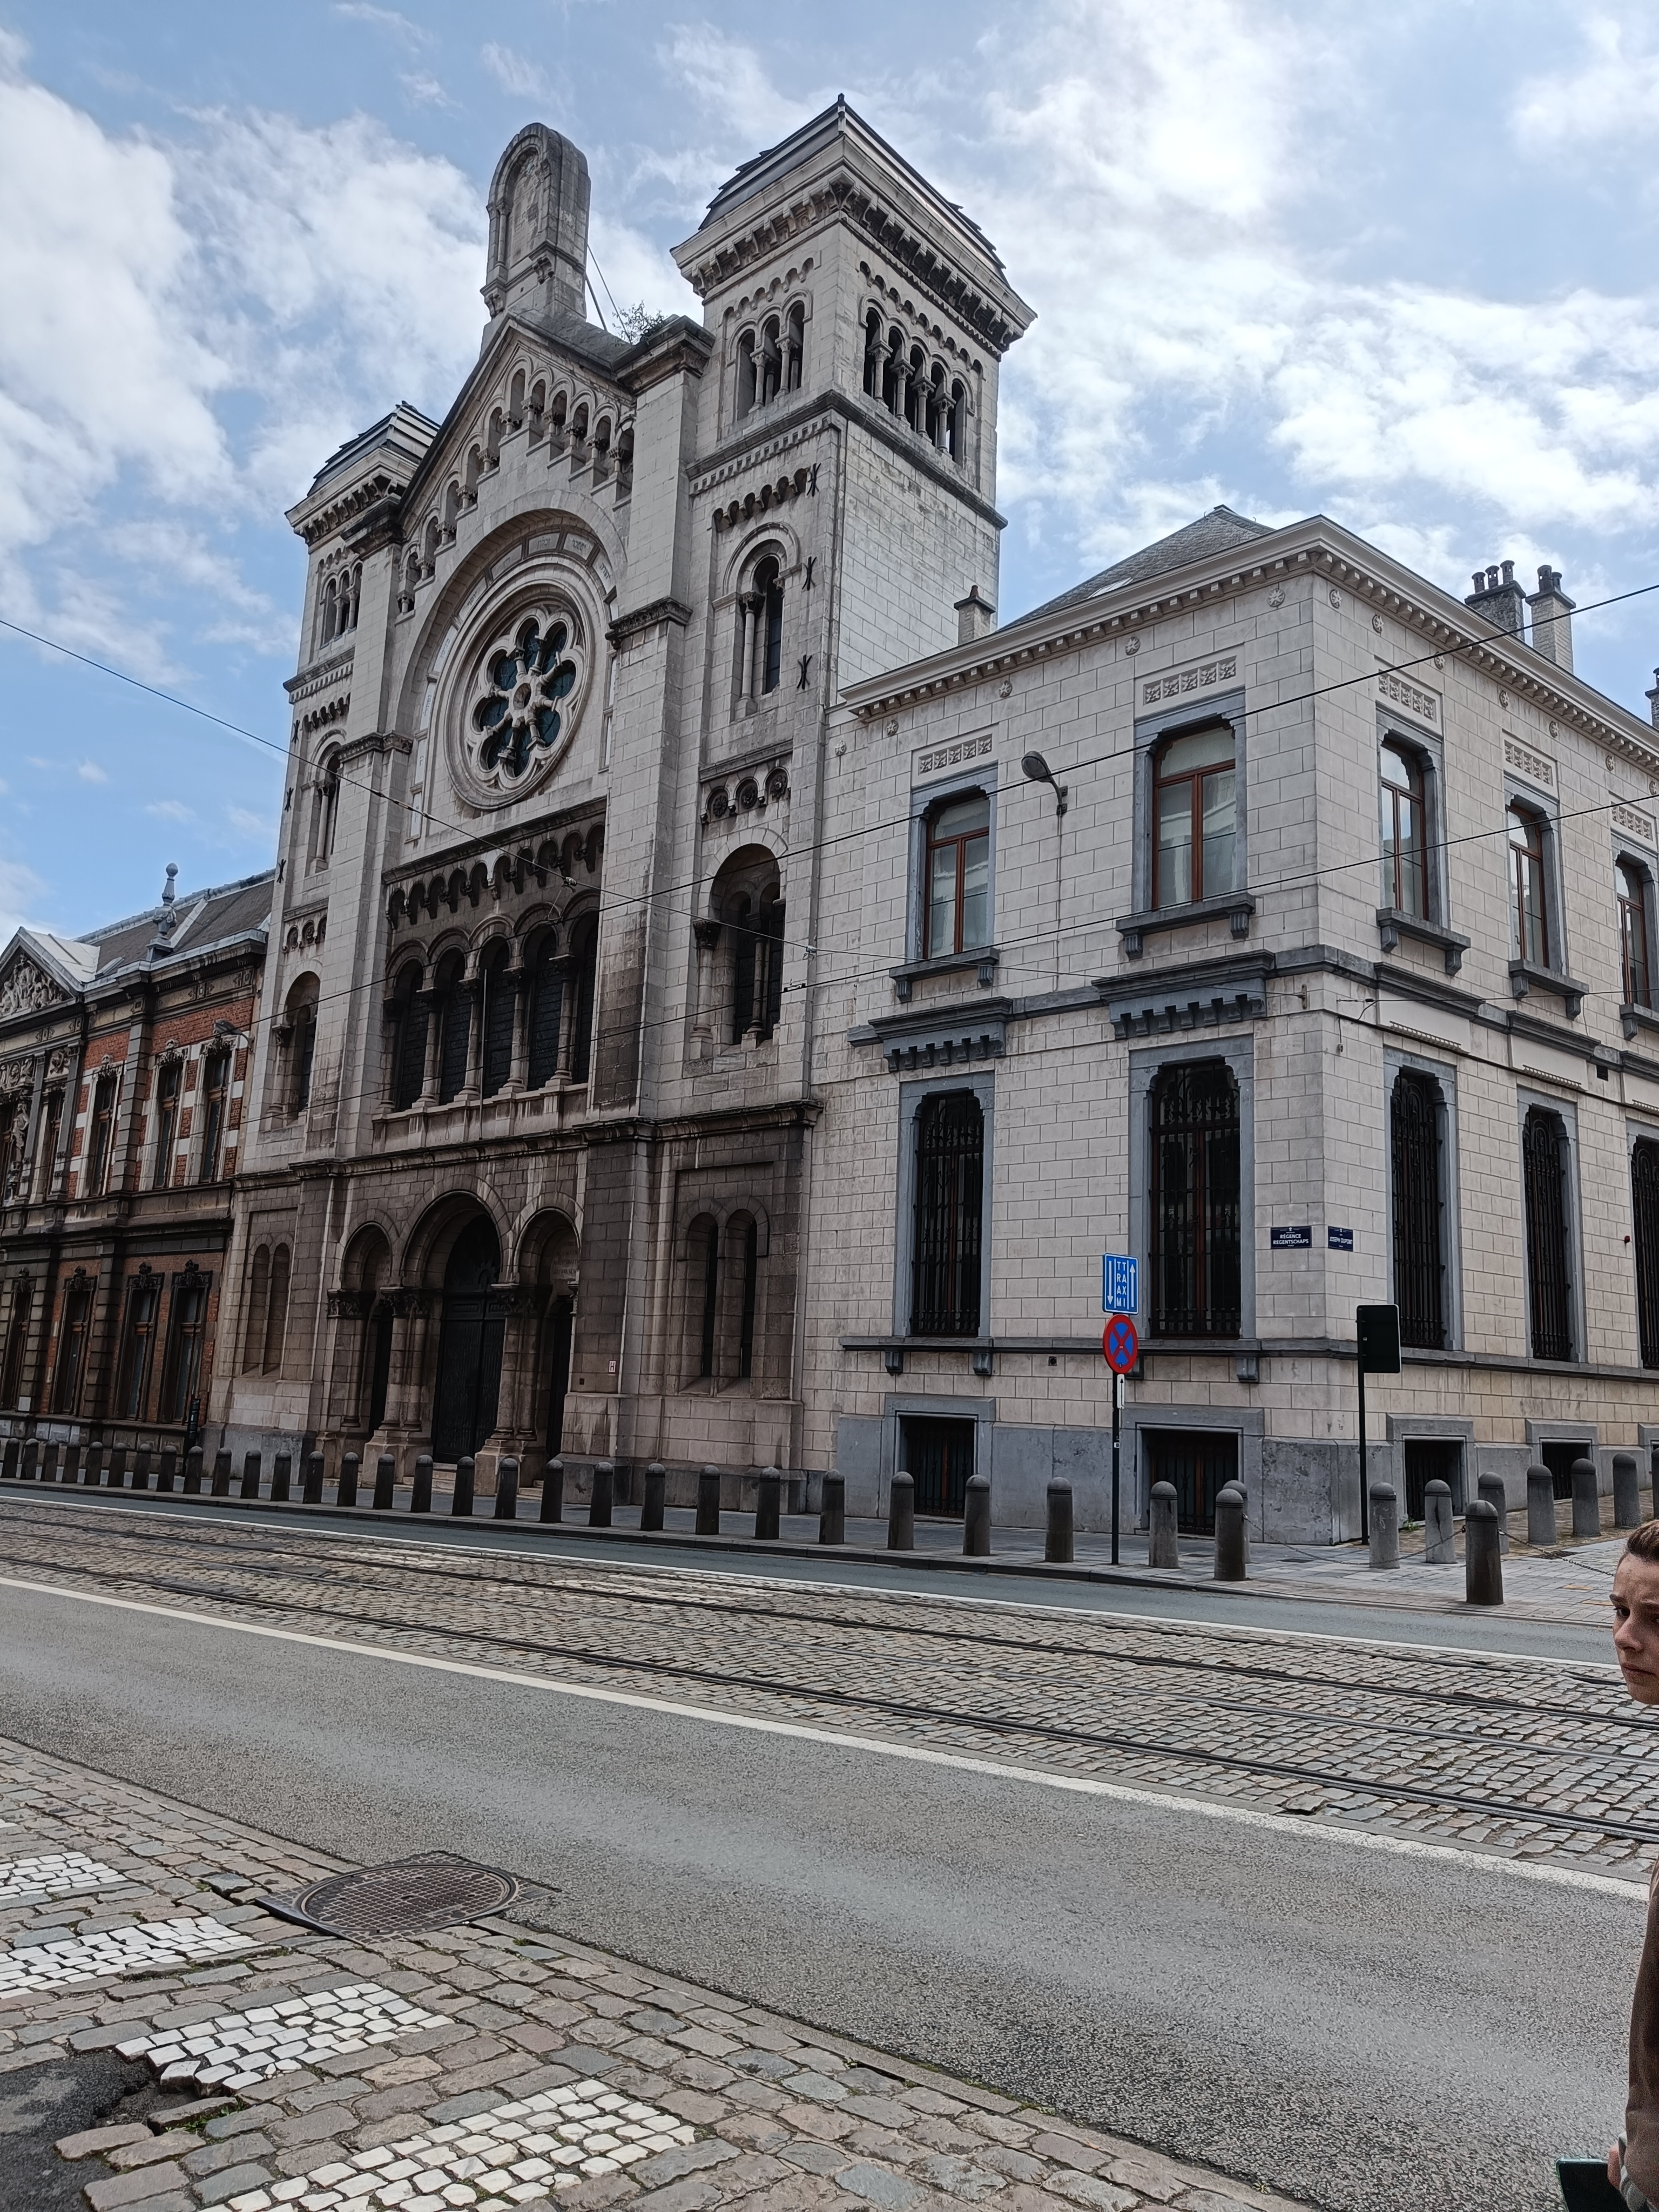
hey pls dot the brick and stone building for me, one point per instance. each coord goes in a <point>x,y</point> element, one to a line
<point>124,1058</point>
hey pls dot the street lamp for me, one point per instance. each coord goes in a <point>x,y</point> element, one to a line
<point>1037,770</point>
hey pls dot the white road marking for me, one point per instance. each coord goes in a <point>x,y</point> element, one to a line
<point>1080,1785</point>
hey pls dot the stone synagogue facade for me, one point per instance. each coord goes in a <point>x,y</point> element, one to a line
<point>724,993</point>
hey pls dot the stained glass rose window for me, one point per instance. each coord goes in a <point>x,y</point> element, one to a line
<point>519,717</point>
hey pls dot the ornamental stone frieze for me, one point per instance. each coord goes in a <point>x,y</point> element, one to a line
<point>725,803</point>
<point>25,989</point>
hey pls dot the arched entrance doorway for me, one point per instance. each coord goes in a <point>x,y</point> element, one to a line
<point>469,1345</point>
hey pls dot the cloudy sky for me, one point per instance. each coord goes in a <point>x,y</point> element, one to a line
<point>1396,265</point>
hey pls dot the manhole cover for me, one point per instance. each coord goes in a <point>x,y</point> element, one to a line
<point>406,1897</point>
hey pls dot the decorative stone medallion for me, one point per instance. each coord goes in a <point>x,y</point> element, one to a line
<point>517,714</point>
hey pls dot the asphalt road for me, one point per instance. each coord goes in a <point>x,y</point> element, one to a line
<point>1357,2029</point>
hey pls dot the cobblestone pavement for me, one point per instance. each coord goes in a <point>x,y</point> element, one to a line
<point>548,2072</point>
<point>1548,1760</point>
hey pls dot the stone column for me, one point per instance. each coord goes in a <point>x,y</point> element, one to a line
<point>707,935</point>
<point>515,1406</point>
<point>517,982</point>
<point>748,606</point>
<point>567,974</point>
<point>435,1030</point>
<point>472,990</point>
<point>411,1314</point>
<point>343,1358</point>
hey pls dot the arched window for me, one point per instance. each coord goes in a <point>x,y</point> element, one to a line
<point>1530,935</point>
<point>794,347</point>
<point>515,398</point>
<point>916,389</point>
<point>408,1025</point>
<point>1633,934</point>
<point>579,424</point>
<point>958,876</point>
<point>328,613</point>
<point>326,809</point>
<point>748,385</point>
<point>893,373</point>
<point>259,1310</point>
<point>956,425</point>
<point>748,902</point>
<point>1195,1255</point>
<point>351,591</point>
<point>944,1274</point>
<point>771,363</point>
<point>455,1005</point>
<point>767,591</point>
<point>215,1099</point>
<point>499,1004</point>
<point>168,1077</point>
<point>546,1002</point>
<point>1405,831</point>
<point>705,1249</point>
<point>1194,847</point>
<point>470,1344</point>
<point>584,956</point>
<point>743,1244</point>
<point>102,1144</point>
<point>872,354</point>
<point>1644,1209</point>
<point>1420,1256</point>
<point>276,1313</point>
<point>302,1043</point>
<point>1545,1162</point>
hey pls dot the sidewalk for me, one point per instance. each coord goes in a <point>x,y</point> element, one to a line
<point>247,2064</point>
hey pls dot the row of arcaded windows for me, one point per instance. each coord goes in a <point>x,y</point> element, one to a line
<point>771,359</point>
<point>337,605</point>
<point>96,1176</point>
<point>543,1012</point>
<point>265,1327</point>
<point>899,376</point>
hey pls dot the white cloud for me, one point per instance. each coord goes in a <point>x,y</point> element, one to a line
<point>170,810</point>
<point>259,827</point>
<point>89,772</point>
<point>21,892</point>
<point>517,74</point>
<point>1612,93</point>
<point>424,90</point>
<point>729,82</point>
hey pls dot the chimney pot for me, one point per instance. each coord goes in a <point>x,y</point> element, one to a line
<point>1492,579</point>
<point>1509,572</point>
<point>1551,619</point>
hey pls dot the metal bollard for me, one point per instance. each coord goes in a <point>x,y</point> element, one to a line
<point>29,1461</point>
<point>9,1463</point>
<point>70,1470</point>
<point>221,1481</point>
<point>420,1497</point>
<point>1483,1562</point>
<point>193,1472</point>
<point>769,1492</point>
<point>249,1475</point>
<point>553,1491</point>
<point>1163,1549</point>
<point>1057,1546</point>
<point>709,1502</point>
<point>506,1489</point>
<point>93,1473</point>
<point>165,1473</point>
<point>1586,1503</point>
<point>976,1518</point>
<point>605,1491</point>
<point>1540,1505</point>
<point>1626,1490</point>
<point>141,1468</point>
<point>460,1504</point>
<point>386,1482</point>
<point>832,1510</point>
<point>656,1487</point>
<point>1439,1536</point>
<point>1231,1559</point>
<point>1495,1491</point>
<point>115,1474</point>
<point>901,1514</point>
<point>282,1478</point>
<point>346,1494</point>
<point>313,1493</point>
<point>1385,1525</point>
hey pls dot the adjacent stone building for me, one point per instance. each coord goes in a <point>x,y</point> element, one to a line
<point>124,1058</point>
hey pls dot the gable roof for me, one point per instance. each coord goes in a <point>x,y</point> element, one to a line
<point>1218,531</point>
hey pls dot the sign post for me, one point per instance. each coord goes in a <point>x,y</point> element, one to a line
<point>1378,1331</point>
<point>1120,1346</point>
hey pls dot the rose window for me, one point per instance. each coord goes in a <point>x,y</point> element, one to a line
<point>517,721</point>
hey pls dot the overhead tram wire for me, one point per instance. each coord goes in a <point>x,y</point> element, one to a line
<point>1032,939</point>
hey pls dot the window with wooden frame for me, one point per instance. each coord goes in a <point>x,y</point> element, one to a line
<point>1195,818</point>
<point>1634,926</point>
<point>101,1137</point>
<point>72,1343</point>
<point>957,876</point>
<point>169,1079</point>
<point>409,1031</point>
<point>137,1343</point>
<point>216,1100</point>
<point>1405,830</point>
<point>17,1338</point>
<point>1530,930</point>
<point>187,1325</point>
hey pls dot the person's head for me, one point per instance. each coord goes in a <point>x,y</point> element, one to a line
<point>1636,1614</point>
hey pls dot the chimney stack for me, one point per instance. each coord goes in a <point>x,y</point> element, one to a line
<point>1499,598</point>
<point>1551,619</point>
<point>1653,700</point>
<point>975,617</point>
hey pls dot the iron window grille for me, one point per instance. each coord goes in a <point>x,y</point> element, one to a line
<point>1529,933</point>
<point>1199,1464</point>
<point>959,877</point>
<point>944,1296</point>
<point>1420,1265</point>
<point>1644,1207</point>
<point>1196,1272</point>
<point>1544,1152</point>
<point>1405,839</point>
<point>1195,818</point>
<point>1633,935</point>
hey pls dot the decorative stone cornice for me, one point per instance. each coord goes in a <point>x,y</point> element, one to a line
<point>679,347</point>
<point>631,625</point>
<point>320,674</point>
<point>368,493</point>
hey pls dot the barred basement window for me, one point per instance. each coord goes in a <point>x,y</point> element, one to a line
<point>1644,1207</point>
<point>1195,1249</point>
<point>1549,1214</point>
<point>1419,1268</point>
<point>945,1298</point>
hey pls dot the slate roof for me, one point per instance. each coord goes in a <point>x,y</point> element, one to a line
<point>204,918</point>
<point>1218,531</point>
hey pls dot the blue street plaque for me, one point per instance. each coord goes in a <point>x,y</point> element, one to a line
<point>1119,1283</point>
<point>1340,1240</point>
<point>1291,1240</point>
